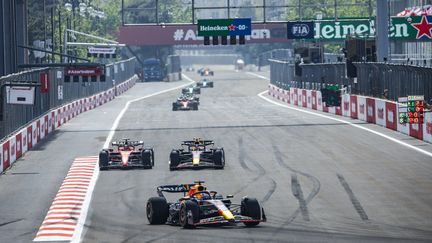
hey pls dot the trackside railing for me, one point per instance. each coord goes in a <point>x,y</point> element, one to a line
<point>14,116</point>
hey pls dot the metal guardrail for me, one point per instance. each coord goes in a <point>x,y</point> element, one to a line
<point>13,116</point>
<point>381,80</point>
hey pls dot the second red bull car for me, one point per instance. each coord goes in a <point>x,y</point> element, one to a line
<point>199,207</point>
<point>197,154</point>
<point>126,154</point>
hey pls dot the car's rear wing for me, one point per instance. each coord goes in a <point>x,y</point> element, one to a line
<point>200,142</point>
<point>182,188</point>
<point>127,142</point>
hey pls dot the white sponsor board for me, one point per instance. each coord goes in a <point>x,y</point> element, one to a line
<point>427,127</point>
<point>361,108</point>
<point>12,149</point>
<point>380,112</point>
<point>20,95</point>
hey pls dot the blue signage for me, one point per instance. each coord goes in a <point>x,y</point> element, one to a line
<point>300,30</point>
<point>240,27</point>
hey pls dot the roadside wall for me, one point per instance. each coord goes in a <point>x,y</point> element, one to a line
<point>17,144</point>
<point>372,110</point>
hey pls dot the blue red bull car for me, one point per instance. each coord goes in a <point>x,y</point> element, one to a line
<point>200,207</point>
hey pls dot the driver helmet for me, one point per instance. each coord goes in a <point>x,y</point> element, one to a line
<point>195,189</point>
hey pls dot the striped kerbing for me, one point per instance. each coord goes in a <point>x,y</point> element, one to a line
<point>64,216</point>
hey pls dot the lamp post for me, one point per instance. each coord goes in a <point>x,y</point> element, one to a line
<point>83,7</point>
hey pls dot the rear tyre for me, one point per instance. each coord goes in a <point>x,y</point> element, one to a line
<point>103,160</point>
<point>250,207</point>
<point>174,107</point>
<point>198,91</point>
<point>157,210</point>
<point>189,210</point>
<point>211,85</point>
<point>174,159</point>
<point>147,158</point>
<point>219,158</point>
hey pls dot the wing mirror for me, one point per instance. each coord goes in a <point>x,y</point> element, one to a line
<point>230,196</point>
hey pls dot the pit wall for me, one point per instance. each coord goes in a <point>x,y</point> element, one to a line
<point>34,132</point>
<point>372,110</point>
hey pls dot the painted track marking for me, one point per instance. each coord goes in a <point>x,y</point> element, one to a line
<point>63,217</point>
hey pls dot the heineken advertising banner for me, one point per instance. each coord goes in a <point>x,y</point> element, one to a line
<point>402,28</point>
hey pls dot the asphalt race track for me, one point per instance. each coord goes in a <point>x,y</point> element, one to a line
<point>318,180</point>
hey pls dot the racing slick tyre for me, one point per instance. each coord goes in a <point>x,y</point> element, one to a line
<point>103,160</point>
<point>211,85</point>
<point>174,107</point>
<point>219,158</point>
<point>174,159</point>
<point>251,208</point>
<point>157,210</point>
<point>147,158</point>
<point>198,91</point>
<point>195,106</point>
<point>189,209</point>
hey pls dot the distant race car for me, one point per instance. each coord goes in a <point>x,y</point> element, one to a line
<point>197,155</point>
<point>186,102</point>
<point>199,207</point>
<point>205,72</point>
<point>126,154</point>
<point>205,83</point>
<point>189,69</point>
<point>191,90</point>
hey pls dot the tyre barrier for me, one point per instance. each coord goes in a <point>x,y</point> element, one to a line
<point>18,143</point>
<point>372,110</point>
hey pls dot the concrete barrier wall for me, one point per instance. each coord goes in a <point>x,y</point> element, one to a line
<point>16,145</point>
<point>372,110</point>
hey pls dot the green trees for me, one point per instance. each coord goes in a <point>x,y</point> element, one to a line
<point>41,22</point>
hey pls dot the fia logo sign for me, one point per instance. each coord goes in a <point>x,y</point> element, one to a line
<point>300,30</point>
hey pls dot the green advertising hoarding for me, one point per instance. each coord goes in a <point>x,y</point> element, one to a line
<point>224,27</point>
<point>402,28</point>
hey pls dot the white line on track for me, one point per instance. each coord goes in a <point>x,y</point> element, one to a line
<point>261,95</point>
<point>117,120</point>
<point>86,203</point>
<point>257,75</point>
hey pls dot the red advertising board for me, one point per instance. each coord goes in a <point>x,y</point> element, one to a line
<point>353,100</point>
<point>18,139</point>
<point>83,71</point>
<point>44,82</point>
<point>370,110</point>
<point>391,117</point>
<point>314,99</point>
<point>187,34</point>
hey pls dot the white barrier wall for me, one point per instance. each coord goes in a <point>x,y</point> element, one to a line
<point>19,143</point>
<point>368,109</point>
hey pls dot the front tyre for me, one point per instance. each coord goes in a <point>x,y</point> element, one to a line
<point>189,214</point>
<point>250,207</point>
<point>157,210</point>
<point>147,158</point>
<point>219,158</point>
<point>103,159</point>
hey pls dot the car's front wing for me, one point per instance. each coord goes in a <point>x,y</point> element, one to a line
<point>222,220</point>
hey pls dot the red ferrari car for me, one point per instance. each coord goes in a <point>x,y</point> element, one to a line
<point>126,154</point>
